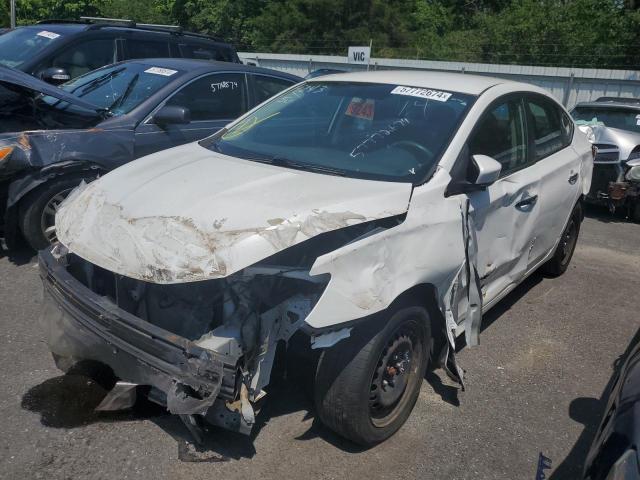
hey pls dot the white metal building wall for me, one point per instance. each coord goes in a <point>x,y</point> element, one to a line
<point>568,85</point>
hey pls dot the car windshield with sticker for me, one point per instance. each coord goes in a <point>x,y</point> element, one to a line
<point>362,130</point>
<point>622,118</point>
<point>19,45</point>
<point>377,131</point>
<point>117,89</point>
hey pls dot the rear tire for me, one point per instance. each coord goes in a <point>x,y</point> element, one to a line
<point>561,259</point>
<point>366,385</point>
<point>37,210</point>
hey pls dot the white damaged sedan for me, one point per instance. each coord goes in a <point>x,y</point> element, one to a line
<point>356,223</point>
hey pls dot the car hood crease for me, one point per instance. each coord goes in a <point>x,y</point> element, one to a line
<point>189,214</point>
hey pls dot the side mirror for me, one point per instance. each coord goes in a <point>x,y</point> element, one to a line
<point>172,115</point>
<point>55,75</point>
<point>486,171</point>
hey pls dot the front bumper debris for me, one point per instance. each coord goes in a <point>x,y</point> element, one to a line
<point>82,325</point>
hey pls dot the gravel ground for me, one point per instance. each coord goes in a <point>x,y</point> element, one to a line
<point>535,384</point>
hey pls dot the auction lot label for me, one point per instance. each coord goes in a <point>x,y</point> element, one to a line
<point>422,93</point>
<point>49,35</point>
<point>167,72</point>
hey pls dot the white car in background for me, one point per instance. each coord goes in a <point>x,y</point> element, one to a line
<point>362,220</point>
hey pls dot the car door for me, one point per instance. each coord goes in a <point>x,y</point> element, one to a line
<point>558,165</point>
<point>504,215</point>
<point>213,101</point>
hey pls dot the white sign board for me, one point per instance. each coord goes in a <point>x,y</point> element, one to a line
<point>359,55</point>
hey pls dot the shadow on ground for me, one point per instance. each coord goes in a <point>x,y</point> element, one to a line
<point>604,215</point>
<point>69,401</point>
<point>589,412</point>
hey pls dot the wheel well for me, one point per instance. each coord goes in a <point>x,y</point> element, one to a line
<point>426,295</point>
<point>33,182</point>
<point>39,184</point>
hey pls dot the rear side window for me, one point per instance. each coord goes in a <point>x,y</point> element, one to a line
<point>205,52</point>
<point>83,57</point>
<point>147,49</point>
<point>551,129</point>
<point>266,87</point>
<point>221,96</point>
<point>501,135</point>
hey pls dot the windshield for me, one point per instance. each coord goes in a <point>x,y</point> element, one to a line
<point>385,132</point>
<point>117,89</point>
<point>22,44</point>
<point>621,118</point>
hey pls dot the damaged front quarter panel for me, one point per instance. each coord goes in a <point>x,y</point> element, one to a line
<point>369,275</point>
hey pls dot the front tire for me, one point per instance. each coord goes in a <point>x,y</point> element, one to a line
<point>559,263</point>
<point>367,384</point>
<point>38,209</point>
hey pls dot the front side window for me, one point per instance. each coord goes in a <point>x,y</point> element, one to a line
<point>266,87</point>
<point>549,133</point>
<point>363,130</point>
<point>86,56</point>
<point>215,97</point>
<point>501,134</point>
<point>622,118</point>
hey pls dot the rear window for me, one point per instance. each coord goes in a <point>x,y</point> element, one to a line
<point>22,44</point>
<point>206,52</point>
<point>551,131</point>
<point>147,49</point>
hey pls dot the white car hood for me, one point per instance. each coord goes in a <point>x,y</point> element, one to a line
<point>189,214</point>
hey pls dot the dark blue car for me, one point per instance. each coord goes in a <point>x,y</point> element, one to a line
<point>51,139</point>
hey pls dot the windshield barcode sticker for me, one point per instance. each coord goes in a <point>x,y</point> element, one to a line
<point>422,93</point>
<point>167,72</point>
<point>49,35</point>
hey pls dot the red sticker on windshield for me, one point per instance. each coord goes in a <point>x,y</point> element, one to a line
<point>361,108</point>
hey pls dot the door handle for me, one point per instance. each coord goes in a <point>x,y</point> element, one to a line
<point>573,179</point>
<point>527,202</point>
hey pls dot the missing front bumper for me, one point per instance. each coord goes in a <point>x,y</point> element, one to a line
<point>82,325</point>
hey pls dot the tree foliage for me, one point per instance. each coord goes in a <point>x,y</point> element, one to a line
<point>589,33</point>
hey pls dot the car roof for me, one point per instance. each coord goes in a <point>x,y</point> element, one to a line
<point>61,28</point>
<point>72,26</point>
<point>452,82</point>
<point>197,67</point>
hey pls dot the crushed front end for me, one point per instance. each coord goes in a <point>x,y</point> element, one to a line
<point>204,348</point>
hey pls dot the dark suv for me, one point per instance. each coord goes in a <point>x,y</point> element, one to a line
<point>57,51</point>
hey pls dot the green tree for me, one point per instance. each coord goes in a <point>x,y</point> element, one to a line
<point>5,21</point>
<point>604,33</point>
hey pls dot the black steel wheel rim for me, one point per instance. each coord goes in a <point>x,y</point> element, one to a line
<point>395,373</point>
